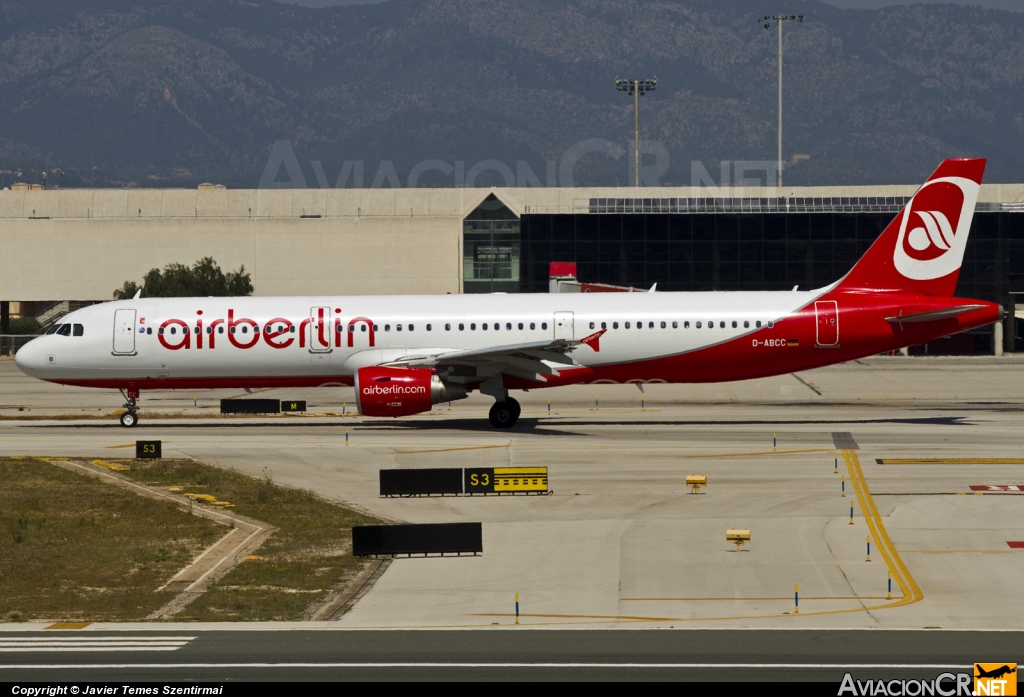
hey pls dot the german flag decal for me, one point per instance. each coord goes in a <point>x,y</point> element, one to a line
<point>792,342</point>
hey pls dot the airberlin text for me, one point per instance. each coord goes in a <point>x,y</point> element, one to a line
<point>204,333</point>
<point>945,685</point>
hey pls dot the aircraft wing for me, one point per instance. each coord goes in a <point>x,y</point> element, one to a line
<point>530,361</point>
<point>935,315</point>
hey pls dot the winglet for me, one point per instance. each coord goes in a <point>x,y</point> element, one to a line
<point>652,288</point>
<point>138,293</point>
<point>594,340</point>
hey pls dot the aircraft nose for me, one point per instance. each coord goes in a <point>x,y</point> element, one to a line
<point>29,358</point>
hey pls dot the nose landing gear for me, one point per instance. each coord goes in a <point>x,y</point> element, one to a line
<point>130,418</point>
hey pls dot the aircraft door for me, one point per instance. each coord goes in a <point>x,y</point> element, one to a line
<point>320,330</point>
<point>826,313</point>
<point>563,325</point>
<point>124,332</point>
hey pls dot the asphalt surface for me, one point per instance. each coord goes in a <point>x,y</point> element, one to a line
<point>175,654</point>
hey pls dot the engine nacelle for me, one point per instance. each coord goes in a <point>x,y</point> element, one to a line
<point>401,391</point>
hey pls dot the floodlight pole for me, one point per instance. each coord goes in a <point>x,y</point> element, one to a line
<point>780,20</point>
<point>636,131</point>
<point>636,88</point>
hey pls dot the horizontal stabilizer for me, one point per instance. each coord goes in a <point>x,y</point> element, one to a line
<point>935,315</point>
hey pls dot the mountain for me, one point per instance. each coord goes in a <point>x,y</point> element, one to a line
<point>174,92</point>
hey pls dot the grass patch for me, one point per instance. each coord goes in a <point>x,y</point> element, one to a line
<point>73,547</point>
<point>310,553</point>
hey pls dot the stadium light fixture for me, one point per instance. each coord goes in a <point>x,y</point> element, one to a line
<point>636,89</point>
<point>779,20</point>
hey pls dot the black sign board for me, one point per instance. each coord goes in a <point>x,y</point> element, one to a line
<point>420,482</point>
<point>148,450</point>
<point>250,406</point>
<point>479,480</point>
<point>435,538</point>
<point>293,405</point>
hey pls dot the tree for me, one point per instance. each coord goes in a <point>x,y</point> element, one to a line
<point>179,281</point>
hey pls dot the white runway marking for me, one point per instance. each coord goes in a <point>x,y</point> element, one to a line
<point>90,643</point>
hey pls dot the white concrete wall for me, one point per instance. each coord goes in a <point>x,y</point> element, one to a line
<point>86,259</point>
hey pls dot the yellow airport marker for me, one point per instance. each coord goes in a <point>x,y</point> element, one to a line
<point>517,608</point>
<point>796,598</point>
<point>346,436</point>
<point>775,440</point>
<point>890,587</point>
<point>836,470</point>
<point>842,483</point>
<point>869,548</point>
<point>851,513</point>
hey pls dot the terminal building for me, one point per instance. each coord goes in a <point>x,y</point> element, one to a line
<point>61,248</point>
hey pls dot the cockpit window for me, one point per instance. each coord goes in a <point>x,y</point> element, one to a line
<point>64,329</point>
<point>79,330</point>
<point>54,328</point>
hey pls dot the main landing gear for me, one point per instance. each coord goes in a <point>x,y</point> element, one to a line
<point>504,414</point>
<point>130,418</point>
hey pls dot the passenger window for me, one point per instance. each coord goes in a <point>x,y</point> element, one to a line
<point>721,325</point>
<point>256,329</point>
<point>429,327</point>
<point>604,325</point>
<point>472,326</point>
<point>592,325</point>
<point>734,324</point>
<point>53,329</point>
<point>698,324</point>
<point>663,325</point>
<point>79,330</point>
<point>497,326</point>
<point>160,330</point>
<point>757,324</point>
<point>149,330</point>
<point>508,326</point>
<point>520,325</point>
<point>64,330</point>
<point>626,325</point>
<point>484,326</point>
<point>448,327</point>
<point>462,327</point>
<point>746,324</point>
<point>291,329</point>
<point>675,325</point>
<point>174,330</point>
<point>639,325</point>
<point>543,325</point>
<point>362,327</point>
<point>245,329</point>
<point>220,330</point>
<point>196,331</point>
<point>686,324</point>
<point>771,324</point>
<point>650,325</point>
<point>387,327</point>
<point>398,327</point>
<point>375,327</point>
<point>615,325</point>
<point>533,325</point>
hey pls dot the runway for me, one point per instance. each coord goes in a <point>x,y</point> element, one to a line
<point>507,654</point>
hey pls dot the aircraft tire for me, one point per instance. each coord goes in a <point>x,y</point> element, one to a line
<point>516,409</point>
<point>503,415</point>
<point>129,419</point>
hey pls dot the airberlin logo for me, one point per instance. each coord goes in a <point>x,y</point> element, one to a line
<point>319,331</point>
<point>933,228</point>
<point>394,389</point>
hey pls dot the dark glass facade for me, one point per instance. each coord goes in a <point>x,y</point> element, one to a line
<point>748,251</point>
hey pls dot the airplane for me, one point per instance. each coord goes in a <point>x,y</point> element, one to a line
<point>403,354</point>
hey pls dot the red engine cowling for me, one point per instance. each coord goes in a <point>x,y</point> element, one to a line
<point>401,391</point>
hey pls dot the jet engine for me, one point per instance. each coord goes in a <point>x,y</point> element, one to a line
<point>402,391</point>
